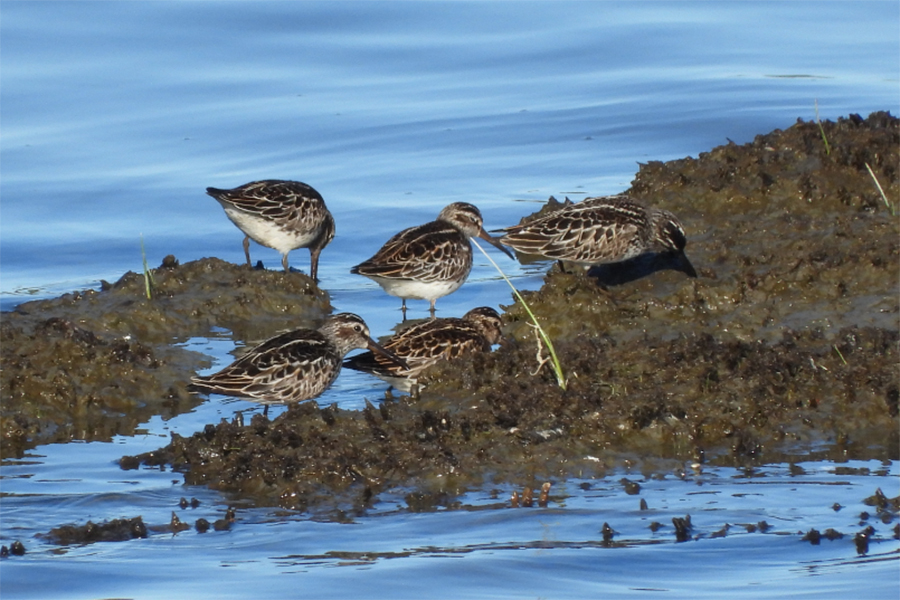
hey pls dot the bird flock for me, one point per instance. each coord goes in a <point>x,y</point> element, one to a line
<point>425,262</point>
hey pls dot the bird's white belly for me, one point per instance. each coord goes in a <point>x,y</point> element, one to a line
<point>416,290</point>
<point>267,233</point>
<point>403,384</point>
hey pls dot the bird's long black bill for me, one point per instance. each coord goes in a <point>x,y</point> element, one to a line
<point>686,265</point>
<point>495,242</point>
<point>376,347</point>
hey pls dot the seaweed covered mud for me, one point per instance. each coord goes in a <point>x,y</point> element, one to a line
<point>94,364</point>
<point>787,342</point>
<point>784,347</point>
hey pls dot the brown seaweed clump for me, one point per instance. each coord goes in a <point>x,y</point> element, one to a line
<point>117,530</point>
<point>90,365</point>
<point>699,397</point>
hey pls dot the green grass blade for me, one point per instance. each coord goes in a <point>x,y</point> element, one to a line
<point>557,367</point>
<point>881,190</point>
<point>836,349</point>
<point>822,130</point>
<point>148,276</point>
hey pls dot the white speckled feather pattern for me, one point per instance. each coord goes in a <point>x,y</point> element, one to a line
<point>598,231</point>
<point>428,342</point>
<point>428,261</point>
<point>294,366</point>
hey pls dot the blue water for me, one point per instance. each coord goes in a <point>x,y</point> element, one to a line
<point>114,117</point>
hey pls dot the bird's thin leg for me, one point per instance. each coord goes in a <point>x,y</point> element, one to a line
<point>284,263</point>
<point>247,250</point>
<point>314,264</point>
<point>562,267</point>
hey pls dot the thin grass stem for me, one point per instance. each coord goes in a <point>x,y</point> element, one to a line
<point>822,131</point>
<point>148,276</point>
<point>836,349</point>
<point>554,360</point>
<point>881,190</point>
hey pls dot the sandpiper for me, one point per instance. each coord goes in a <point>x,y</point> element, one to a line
<point>601,230</point>
<point>283,215</point>
<point>429,342</point>
<point>294,366</point>
<point>429,261</point>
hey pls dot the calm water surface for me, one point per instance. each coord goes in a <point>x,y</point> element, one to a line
<point>116,116</point>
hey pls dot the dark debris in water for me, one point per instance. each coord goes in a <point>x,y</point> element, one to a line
<point>117,530</point>
<point>882,503</point>
<point>201,525</point>
<point>813,537</point>
<point>607,532</point>
<point>17,548</point>
<point>683,528</point>
<point>183,503</point>
<point>120,530</point>
<point>721,532</point>
<point>632,488</point>
<point>862,540</point>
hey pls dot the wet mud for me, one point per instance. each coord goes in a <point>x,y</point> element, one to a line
<point>93,364</point>
<point>784,348</point>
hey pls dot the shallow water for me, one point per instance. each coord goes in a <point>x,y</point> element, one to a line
<point>116,116</point>
<point>481,548</point>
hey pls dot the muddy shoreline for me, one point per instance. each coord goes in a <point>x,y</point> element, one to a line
<point>90,365</point>
<point>785,348</point>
